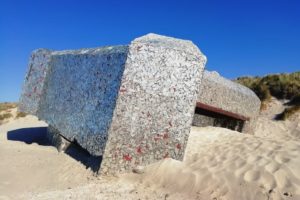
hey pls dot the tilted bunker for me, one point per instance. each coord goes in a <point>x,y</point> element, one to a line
<point>130,104</point>
<point>222,102</point>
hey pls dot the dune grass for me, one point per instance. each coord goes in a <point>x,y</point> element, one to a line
<point>5,106</point>
<point>288,112</point>
<point>5,116</point>
<point>294,101</point>
<point>21,114</point>
<point>280,86</point>
<point>5,112</point>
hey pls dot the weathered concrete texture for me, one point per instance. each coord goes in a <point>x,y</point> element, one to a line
<point>201,120</point>
<point>34,81</point>
<point>156,102</point>
<point>78,92</point>
<point>132,104</point>
<point>222,93</point>
<point>81,93</point>
<point>229,96</point>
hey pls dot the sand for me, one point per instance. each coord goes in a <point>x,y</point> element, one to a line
<point>223,164</point>
<point>219,164</point>
<point>33,168</point>
<point>282,130</point>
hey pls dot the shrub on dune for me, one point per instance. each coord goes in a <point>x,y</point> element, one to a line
<point>5,116</point>
<point>280,86</point>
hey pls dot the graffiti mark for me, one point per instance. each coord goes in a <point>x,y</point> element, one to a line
<point>127,157</point>
<point>139,150</point>
<point>123,90</point>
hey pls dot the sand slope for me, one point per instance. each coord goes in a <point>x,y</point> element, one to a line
<point>33,168</point>
<point>283,130</point>
<point>223,164</point>
<point>219,164</point>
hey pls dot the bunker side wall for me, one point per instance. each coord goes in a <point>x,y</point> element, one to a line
<point>80,94</point>
<point>34,82</point>
<point>225,94</point>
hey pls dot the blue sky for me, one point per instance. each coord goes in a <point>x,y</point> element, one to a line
<point>239,38</point>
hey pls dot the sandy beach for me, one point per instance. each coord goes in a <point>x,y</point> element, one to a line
<point>218,164</point>
<point>149,100</point>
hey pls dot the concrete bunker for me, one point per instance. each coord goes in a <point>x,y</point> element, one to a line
<point>130,104</point>
<point>224,103</point>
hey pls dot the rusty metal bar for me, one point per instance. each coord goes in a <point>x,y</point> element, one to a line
<point>221,111</point>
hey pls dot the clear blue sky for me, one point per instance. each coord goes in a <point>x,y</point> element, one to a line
<point>254,37</point>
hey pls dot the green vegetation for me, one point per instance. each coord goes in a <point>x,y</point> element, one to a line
<point>281,86</point>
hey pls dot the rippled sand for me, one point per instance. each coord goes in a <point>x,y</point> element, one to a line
<point>219,164</point>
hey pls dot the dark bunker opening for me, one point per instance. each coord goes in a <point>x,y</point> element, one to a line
<point>206,115</point>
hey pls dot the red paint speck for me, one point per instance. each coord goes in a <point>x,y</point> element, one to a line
<point>139,150</point>
<point>122,90</point>
<point>178,146</point>
<point>127,157</point>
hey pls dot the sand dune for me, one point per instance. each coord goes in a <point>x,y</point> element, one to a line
<point>224,164</point>
<point>282,130</point>
<point>219,164</point>
<point>33,168</point>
